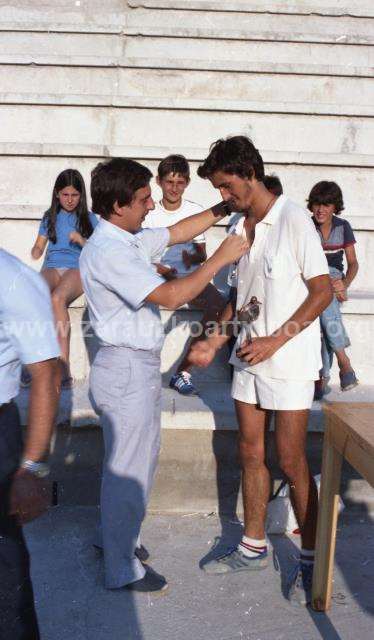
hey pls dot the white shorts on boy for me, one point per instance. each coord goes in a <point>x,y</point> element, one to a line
<point>271,393</point>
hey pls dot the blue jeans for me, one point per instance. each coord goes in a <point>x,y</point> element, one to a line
<point>333,333</point>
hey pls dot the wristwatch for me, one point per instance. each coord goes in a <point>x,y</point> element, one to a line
<point>39,469</point>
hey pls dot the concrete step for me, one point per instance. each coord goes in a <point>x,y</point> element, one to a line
<point>77,16</point>
<point>32,196</point>
<point>179,48</point>
<point>358,311</point>
<point>202,90</point>
<point>357,8</point>
<point>18,239</point>
<point>187,21</point>
<point>358,315</point>
<point>198,469</point>
<point>347,139</point>
<point>212,410</point>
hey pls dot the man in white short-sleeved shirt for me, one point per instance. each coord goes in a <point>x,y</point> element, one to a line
<point>124,293</point>
<point>173,177</point>
<point>27,337</point>
<point>283,286</point>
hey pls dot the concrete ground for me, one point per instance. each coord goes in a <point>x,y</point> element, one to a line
<point>72,602</point>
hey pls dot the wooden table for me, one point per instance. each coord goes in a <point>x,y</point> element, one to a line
<point>349,434</point>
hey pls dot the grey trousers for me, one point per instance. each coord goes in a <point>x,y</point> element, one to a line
<point>125,387</point>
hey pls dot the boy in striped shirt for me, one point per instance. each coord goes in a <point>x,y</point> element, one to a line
<point>326,203</point>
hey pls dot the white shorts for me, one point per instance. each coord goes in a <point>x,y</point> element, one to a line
<point>271,393</point>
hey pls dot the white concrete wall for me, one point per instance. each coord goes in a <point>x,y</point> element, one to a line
<point>84,80</point>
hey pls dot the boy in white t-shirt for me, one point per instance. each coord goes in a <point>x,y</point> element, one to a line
<point>173,176</point>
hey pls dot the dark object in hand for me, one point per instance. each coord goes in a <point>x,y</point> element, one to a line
<point>247,314</point>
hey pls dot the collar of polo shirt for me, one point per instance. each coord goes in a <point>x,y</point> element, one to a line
<point>117,232</point>
<point>274,212</point>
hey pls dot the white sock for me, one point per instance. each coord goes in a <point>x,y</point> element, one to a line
<point>251,547</point>
<point>307,556</point>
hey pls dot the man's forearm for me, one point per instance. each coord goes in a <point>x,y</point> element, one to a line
<point>187,229</point>
<point>309,310</point>
<point>42,409</point>
<point>221,333</point>
<point>183,290</point>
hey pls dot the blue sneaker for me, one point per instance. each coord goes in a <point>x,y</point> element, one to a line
<point>299,586</point>
<point>234,561</point>
<point>348,380</point>
<point>181,382</point>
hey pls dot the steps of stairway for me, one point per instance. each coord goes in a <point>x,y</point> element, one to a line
<point>212,410</point>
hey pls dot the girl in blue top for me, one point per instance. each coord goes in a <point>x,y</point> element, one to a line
<point>64,229</point>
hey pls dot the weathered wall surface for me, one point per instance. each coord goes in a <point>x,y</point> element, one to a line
<point>84,79</point>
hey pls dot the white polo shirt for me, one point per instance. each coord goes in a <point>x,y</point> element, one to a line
<point>27,332</point>
<point>117,275</point>
<point>285,253</point>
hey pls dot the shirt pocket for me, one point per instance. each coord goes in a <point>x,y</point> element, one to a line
<point>274,267</point>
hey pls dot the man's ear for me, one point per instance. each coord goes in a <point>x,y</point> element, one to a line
<point>117,210</point>
<point>252,180</point>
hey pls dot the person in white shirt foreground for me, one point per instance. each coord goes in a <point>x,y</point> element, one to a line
<point>286,271</point>
<point>123,293</point>
<point>27,337</point>
<point>173,176</point>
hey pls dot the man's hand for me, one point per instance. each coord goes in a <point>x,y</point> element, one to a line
<point>169,273</point>
<point>29,496</point>
<point>232,249</point>
<point>202,354</point>
<point>258,349</point>
<point>186,257</point>
<point>340,289</point>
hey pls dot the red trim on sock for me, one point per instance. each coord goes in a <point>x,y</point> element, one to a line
<point>251,547</point>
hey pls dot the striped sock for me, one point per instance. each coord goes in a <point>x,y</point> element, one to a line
<point>307,556</point>
<point>251,547</point>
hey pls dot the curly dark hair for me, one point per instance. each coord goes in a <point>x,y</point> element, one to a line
<point>235,155</point>
<point>68,178</point>
<point>175,163</point>
<point>326,192</point>
<point>116,180</point>
<point>273,184</point>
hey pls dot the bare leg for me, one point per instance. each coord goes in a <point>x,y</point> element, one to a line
<point>290,435</point>
<point>343,361</point>
<point>212,303</point>
<point>255,475</point>
<point>68,289</point>
<point>52,278</point>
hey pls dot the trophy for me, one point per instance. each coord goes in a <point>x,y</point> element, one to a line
<point>247,314</point>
